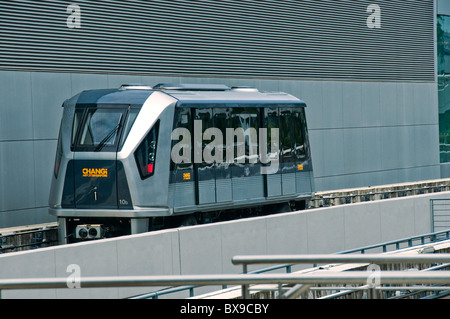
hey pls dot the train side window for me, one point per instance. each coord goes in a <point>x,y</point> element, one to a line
<point>222,121</point>
<point>131,117</point>
<point>205,115</point>
<point>76,123</point>
<point>182,119</point>
<point>271,121</point>
<point>299,132</point>
<point>287,137</point>
<point>247,119</point>
<point>146,153</point>
<point>305,133</point>
<point>59,154</point>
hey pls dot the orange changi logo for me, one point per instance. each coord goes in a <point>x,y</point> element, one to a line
<point>95,172</point>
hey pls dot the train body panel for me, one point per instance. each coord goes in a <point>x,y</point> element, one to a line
<point>131,156</point>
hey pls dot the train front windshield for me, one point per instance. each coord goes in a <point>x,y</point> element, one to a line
<point>99,129</point>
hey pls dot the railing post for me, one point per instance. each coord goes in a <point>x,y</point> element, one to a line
<point>245,288</point>
<point>371,293</point>
<point>432,215</point>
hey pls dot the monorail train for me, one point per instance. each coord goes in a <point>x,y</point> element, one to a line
<point>138,158</point>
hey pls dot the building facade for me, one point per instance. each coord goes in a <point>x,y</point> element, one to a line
<point>367,70</point>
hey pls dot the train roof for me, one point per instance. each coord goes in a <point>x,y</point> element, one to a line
<point>214,93</point>
<point>187,94</point>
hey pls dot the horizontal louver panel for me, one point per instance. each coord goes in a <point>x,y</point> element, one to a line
<point>276,39</point>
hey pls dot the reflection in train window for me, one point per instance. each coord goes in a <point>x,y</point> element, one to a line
<point>97,130</point>
<point>287,139</point>
<point>205,117</point>
<point>245,122</point>
<point>182,119</point>
<point>298,127</point>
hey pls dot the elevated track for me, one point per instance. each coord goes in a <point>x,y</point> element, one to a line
<point>21,238</point>
<point>28,237</point>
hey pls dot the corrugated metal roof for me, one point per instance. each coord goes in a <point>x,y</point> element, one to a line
<point>234,38</point>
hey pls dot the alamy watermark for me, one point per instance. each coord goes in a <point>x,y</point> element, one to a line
<point>74,19</point>
<point>374,278</point>
<point>221,148</point>
<point>74,279</point>
<point>373,21</point>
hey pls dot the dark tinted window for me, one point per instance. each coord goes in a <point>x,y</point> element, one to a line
<point>271,121</point>
<point>298,127</point>
<point>205,117</point>
<point>59,153</point>
<point>222,121</point>
<point>287,137</point>
<point>246,120</point>
<point>182,119</point>
<point>146,153</point>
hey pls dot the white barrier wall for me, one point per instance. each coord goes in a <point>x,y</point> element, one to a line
<point>208,249</point>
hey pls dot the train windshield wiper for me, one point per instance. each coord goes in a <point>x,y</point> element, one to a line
<point>108,137</point>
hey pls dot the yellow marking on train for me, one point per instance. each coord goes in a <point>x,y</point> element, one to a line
<point>95,172</point>
<point>186,176</point>
<point>300,167</point>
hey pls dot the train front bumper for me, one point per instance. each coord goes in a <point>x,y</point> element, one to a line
<point>137,212</point>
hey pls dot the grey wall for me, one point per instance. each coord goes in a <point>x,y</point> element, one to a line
<point>208,249</point>
<point>372,133</point>
<point>372,93</point>
<point>361,133</point>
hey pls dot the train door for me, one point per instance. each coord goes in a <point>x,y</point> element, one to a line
<point>222,121</point>
<point>287,151</point>
<point>295,170</point>
<point>204,153</point>
<point>182,177</point>
<point>247,180</point>
<point>304,176</point>
<point>271,121</point>
<point>96,137</point>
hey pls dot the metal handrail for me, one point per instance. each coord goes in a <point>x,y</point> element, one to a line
<point>338,258</point>
<point>326,277</point>
<point>156,294</point>
<point>433,237</point>
<point>321,277</point>
<point>347,291</point>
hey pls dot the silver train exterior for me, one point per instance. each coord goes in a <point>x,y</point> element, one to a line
<point>123,165</point>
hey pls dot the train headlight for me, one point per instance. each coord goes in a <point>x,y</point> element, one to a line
<point>82,233</point>
<point>93,232</point>
<point>89,231</point>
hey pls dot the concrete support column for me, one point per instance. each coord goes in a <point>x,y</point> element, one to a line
<point>139,225</point>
